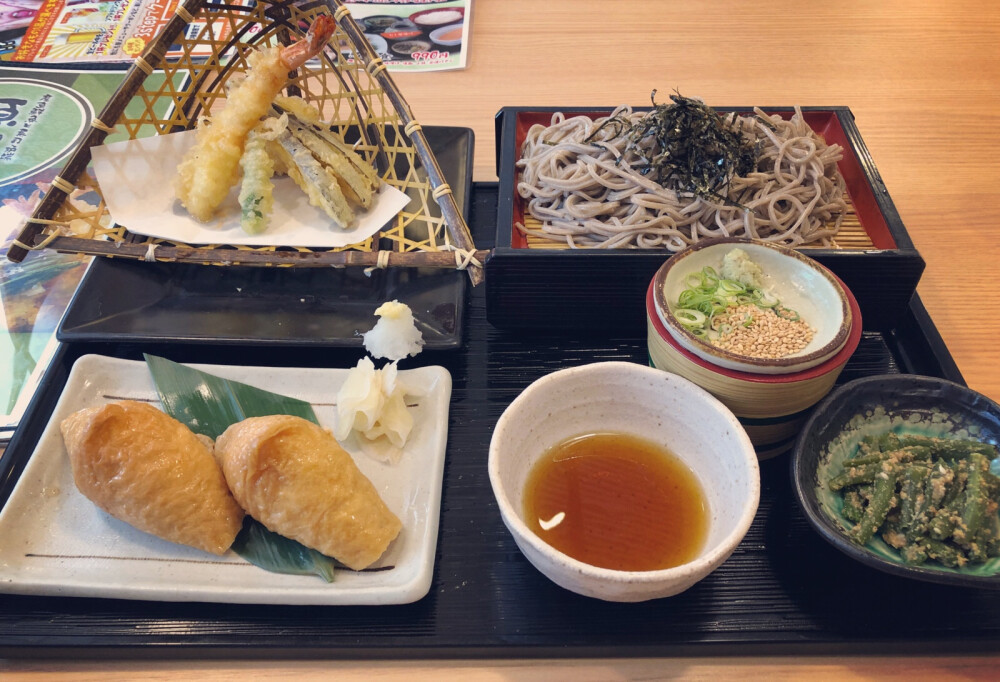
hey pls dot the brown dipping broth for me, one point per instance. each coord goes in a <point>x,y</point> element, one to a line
<point>617,501</point>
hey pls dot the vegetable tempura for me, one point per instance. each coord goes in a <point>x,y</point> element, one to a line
<point>211,167</point>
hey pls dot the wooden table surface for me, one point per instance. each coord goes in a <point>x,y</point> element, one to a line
<point>923,80</point>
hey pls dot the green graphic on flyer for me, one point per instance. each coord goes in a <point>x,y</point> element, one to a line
<point>44,116</point>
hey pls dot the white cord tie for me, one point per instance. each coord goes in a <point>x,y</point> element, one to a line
<point>381,264</point>
<point>463,258</point>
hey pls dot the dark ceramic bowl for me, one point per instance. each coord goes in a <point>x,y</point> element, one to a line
<point>382,23</point>
<point>903,403</point>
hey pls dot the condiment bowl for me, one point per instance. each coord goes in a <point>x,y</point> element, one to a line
<point>379,44</point>
<point>432,18</point>
<point>875,405</point>
<point>771,407</point>
<point>384,22</point>
<point>408,47</point>
<point>633,399</point>
<point>800,283</point>
<point>442,36</point>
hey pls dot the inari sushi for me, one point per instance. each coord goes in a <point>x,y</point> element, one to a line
<point>144,467</point>
<point>292,476</point>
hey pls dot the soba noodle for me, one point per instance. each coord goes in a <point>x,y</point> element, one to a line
<point>575,185</point>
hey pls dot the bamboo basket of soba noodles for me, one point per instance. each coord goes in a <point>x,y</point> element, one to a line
<point>291,119</point>
<point>602,196</point>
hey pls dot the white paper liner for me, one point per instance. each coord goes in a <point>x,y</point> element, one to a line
<point>137,181</point>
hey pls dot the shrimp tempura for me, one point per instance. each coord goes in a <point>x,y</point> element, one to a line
<point>212,165</point>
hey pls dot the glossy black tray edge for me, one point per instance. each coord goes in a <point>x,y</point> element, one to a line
<point>917,343</point>
<point>98,650</point>
<point>131,317</point>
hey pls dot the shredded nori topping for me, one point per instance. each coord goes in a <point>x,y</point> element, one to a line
<point>686,146</point>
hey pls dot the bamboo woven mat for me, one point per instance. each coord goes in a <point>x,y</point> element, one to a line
<point>852,235</point>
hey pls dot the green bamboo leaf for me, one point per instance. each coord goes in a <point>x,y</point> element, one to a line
<point>209,405</point>
<point>276,553</point>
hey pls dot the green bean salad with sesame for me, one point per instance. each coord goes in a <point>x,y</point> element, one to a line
<point>929,498</point>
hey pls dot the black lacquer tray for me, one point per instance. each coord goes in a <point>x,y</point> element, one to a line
<point>784,591</point>
<point>127,300</point>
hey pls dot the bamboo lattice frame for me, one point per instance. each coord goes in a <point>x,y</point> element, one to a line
<point>852,235</point>
<point>358,97</point>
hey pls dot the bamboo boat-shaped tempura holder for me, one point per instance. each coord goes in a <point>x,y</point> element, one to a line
<point>358,97</point>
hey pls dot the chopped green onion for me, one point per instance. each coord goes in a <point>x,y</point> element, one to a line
<point>695,281</point>
<point>708,294</point>
<point>730,287</point>
<point>764,299</point>
<point>690,318</point>
<point>787,313</point>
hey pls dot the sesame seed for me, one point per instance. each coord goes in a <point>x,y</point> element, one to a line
<point>760,332</point>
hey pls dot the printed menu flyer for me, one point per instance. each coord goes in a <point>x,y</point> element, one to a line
<point>417,35</point>
<point>44,113</point>
<point>110,31</point>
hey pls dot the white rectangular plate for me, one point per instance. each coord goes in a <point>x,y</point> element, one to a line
<point>55,542</point>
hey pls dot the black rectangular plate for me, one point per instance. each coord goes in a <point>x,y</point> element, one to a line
<point>127,300</point>
<point>784,590</point>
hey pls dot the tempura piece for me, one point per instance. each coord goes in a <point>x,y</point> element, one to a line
<point>353,184</point>
<point>257,190</point>
<point>299,108</point>
<point>315,180</point>
<point>211,166</point>
<point>146,468</point>
<point>358,179</point>
<point>395,335</point>
<point>292,476</point>
<point>279,158</point>
<point>334,140</point>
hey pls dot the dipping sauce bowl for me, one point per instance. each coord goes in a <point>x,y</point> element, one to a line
<point>631,399</point>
